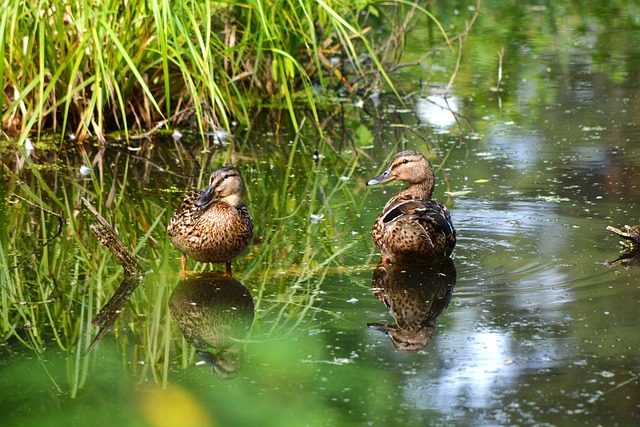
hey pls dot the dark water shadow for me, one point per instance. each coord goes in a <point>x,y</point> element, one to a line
<point>108,314</point>
<point>415,296</point>
<point>215,313</point>
<point>627,259</point>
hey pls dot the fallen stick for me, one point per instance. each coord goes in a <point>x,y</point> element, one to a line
<point>132,274</point>
<point>108,237</point>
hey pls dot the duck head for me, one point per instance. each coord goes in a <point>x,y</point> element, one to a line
<point>225,185</point>
<point>407,166</point>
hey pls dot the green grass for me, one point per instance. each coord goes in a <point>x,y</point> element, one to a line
<point>87,68</point>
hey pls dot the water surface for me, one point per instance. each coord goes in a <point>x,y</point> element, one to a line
<point>533,326</point>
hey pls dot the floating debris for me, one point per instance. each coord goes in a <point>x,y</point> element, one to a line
<point>85,170</point>
<point>316,218</point>
<point>485,154</point>
<point>28,147</point>
<point>375,97</point>
<point>552,198</point>
<point>220,136</point>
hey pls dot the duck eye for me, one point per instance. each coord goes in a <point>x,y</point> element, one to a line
<point>405,161</point>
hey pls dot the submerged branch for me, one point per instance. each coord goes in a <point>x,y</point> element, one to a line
<point>108,237</point>
<point>132,274</point>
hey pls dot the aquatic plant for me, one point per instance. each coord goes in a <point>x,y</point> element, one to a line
<point>89,67</point>
<point>52,285</point>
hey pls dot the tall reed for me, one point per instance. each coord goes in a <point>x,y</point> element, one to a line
<point>86,67</point>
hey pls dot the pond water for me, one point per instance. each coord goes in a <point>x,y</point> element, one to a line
<point>532,322</point>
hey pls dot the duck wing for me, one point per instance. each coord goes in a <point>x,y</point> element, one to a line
<point>430,211</point>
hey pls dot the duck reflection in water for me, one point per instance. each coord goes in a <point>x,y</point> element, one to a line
<point>215,313</point>
<point>415,297</point>
<point>630,256</point>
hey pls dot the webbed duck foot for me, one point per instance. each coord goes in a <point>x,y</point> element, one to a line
<point>183,270</point>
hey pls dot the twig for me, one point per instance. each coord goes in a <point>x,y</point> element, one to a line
<point>500,58</point>
<point>161,124</point>
<point>61,224</point>
<point>455,71</point>
<point>593,399</point>
<point>441,45</point>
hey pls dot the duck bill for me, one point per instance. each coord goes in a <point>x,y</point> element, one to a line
<point>382,178</point>
<point>385,329</point>
<point>207,198</point>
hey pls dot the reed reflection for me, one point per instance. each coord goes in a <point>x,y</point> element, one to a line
<point>415,297</point>
<point>215,313</point>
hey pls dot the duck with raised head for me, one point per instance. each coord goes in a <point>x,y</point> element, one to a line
<point>412,227</point>
<point>213,225</point>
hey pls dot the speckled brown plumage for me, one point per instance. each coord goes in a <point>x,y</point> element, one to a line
<point>412,228</point>
<point>213,225</point>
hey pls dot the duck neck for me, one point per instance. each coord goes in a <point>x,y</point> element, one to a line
<point>420,190</point>
<point>234,200</point>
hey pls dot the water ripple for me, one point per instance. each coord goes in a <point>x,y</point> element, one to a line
<point>528,248</point>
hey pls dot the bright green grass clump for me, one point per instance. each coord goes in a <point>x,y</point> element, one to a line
<point>86,67</point>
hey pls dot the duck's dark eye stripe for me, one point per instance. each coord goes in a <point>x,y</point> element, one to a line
<point>403,162</point>
<point>229,175</point>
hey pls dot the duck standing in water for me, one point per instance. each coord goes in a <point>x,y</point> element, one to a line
<point>213,225</point>
<point>412,228</point>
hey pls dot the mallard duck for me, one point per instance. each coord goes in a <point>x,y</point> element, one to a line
<point>412,228</point>
<point>213,225</point>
